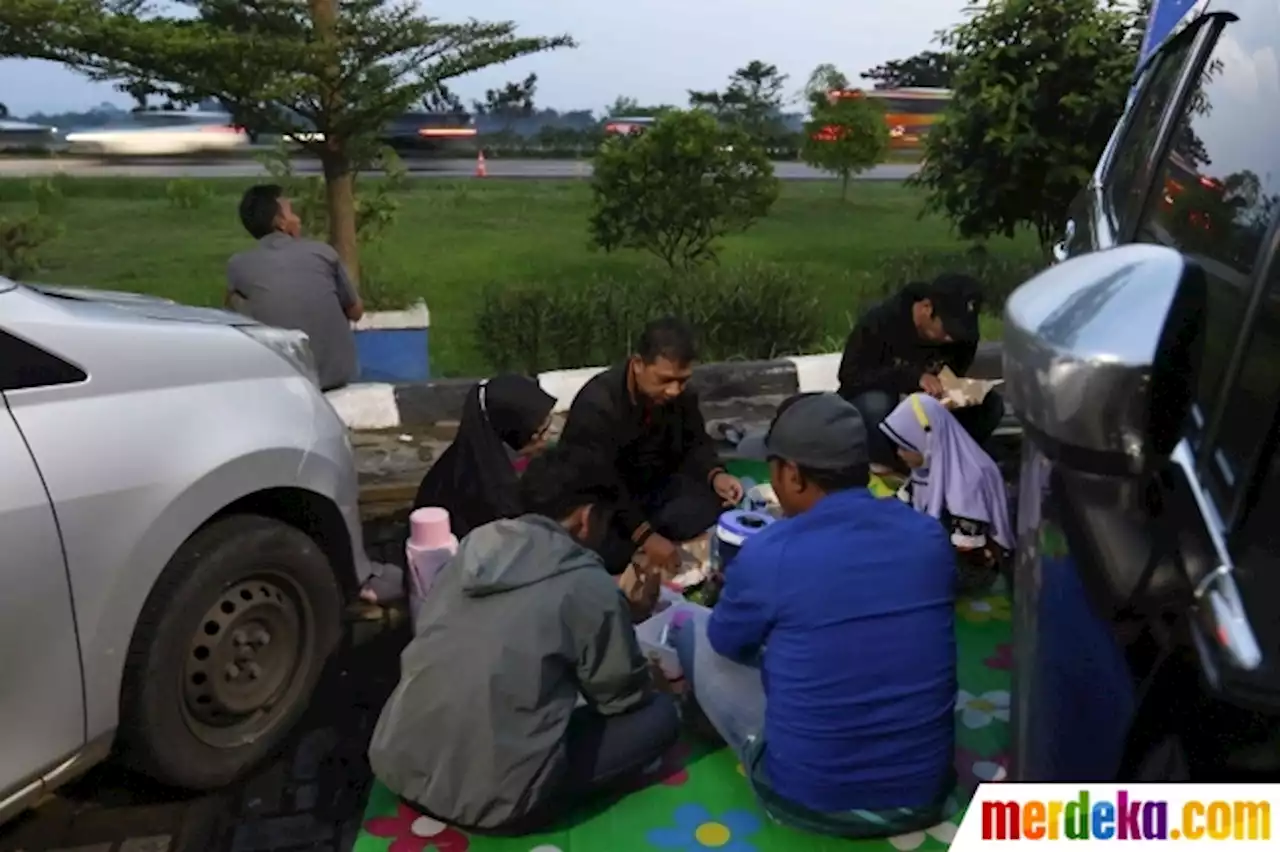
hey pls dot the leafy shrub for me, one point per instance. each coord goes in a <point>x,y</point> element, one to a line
<point>1000,274</point>
<point>1038,87</point>
<point>50,193</point>
<point>186,193</point>
<point>20,242</point>
<point>677,188</point>
<point>749,311</point>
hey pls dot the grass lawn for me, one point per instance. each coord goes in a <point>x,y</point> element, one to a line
<point>452,238</point>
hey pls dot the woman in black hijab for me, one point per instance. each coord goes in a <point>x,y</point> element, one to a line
<point>475,479</point>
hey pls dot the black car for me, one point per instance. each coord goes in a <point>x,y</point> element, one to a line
<point>1145,368</point>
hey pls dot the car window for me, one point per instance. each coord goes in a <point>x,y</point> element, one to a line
<point>1214,198</point>
<point>1125,184</point>
<point>1249,409</point>
<point>23,365</point>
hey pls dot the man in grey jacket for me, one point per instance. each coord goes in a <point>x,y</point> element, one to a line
<point>482,731</point>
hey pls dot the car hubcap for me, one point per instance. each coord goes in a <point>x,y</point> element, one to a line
<point>249,649</point>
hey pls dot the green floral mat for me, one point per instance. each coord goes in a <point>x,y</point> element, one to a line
<point>699,799</point>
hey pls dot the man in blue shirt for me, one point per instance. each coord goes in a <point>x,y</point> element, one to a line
<point>829,662</point>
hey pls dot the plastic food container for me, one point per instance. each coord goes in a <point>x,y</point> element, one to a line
<point>652,633</point>
<point>734,528</point>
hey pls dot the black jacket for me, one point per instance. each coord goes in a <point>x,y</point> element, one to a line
<point>884,351</point>
<point>644,444</point>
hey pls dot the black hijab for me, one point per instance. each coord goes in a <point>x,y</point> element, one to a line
<point>474,478</point>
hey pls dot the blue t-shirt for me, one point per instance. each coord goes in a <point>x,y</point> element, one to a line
<point>854,602</point>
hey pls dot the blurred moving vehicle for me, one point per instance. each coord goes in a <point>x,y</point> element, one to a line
<point>431,132</point>
<point>909,112</point>
<point>625,126</point>
<point>161,133</point>
<point>1147,377</point>
<point>180,531</point>
<point>23,134</point>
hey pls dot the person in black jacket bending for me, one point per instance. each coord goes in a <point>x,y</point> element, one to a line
<point>899,346</point>
<point>641,417</point>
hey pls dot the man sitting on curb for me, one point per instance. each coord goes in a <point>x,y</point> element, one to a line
<point>291,282</point>
<point>829,662</point>
<point>482,731</point>
<point>899,346</point>
<point>642,417</point>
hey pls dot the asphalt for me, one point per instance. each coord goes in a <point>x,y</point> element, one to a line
<point>497,168</point>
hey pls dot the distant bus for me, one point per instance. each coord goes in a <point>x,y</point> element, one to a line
<point>626,125</point>
<point>909,112</point>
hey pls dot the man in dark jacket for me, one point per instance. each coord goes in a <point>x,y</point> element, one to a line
<point>482,732</point>
<point>899,346</point>
<point>641,416</point>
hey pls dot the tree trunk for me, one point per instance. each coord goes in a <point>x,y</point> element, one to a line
<point>339,177</point>
<point>844,187</point>
<point>340,196</point>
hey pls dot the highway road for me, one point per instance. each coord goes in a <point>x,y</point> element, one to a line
<point>535,169</point>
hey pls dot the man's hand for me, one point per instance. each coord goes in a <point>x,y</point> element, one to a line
<point>728,487</point>
<point>932,385</point>
<point>661,552</point>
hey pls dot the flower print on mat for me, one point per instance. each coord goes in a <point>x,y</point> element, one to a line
<point>695,828</point>
<point>410,831</point>
<point>973,769</point>
<point>943,832</point>
<point>978,711</point>
<point>1002,659</point>
<point>982,610</point>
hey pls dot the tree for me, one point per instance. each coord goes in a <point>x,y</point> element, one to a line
<point>845,137</point>
<point>512,101</point>
<point>928,69</point>
<point>823,80</point>
<point>1038,88</point>
<point>439,99</point>
<point>752,101</point>
<point>327,73</point>
<point>675,189</point>
<point>4,111</point>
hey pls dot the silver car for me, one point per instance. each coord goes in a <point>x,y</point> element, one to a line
<point>178,533</point>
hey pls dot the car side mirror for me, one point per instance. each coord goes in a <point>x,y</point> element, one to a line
<point>1101,355</point>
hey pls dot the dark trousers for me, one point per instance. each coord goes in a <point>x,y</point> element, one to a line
<point>980,421</point>
<point>681,508</point>
<point>605,752</point>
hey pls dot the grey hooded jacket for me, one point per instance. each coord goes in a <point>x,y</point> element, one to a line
<point>519,623</point>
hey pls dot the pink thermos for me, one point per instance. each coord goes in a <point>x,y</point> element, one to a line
<point>431,544</point>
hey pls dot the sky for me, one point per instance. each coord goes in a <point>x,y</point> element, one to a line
<point>650,50</point>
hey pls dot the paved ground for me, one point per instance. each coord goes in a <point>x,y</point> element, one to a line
<point>536,169</point>
<point>310,798</point>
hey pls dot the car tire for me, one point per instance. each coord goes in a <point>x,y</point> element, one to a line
<point>227,652</point>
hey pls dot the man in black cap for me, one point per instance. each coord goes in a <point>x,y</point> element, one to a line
<point>829,661</point>
<point>899,346</point>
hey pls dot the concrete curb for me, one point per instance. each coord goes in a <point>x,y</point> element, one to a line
<point>385,406</point>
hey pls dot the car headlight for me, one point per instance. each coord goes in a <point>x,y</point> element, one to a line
<point>293,346</point>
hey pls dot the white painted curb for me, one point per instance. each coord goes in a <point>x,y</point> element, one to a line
<point>565,384</point>
<point>817,373</point>
<point>367,405</point>
<point>373,406</point>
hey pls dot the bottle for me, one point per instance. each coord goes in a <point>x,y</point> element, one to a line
<point>431,544</point>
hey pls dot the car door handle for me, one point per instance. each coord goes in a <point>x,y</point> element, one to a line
<point>1222,615</point>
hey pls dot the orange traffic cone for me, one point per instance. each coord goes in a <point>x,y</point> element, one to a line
<point>481,171</point>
